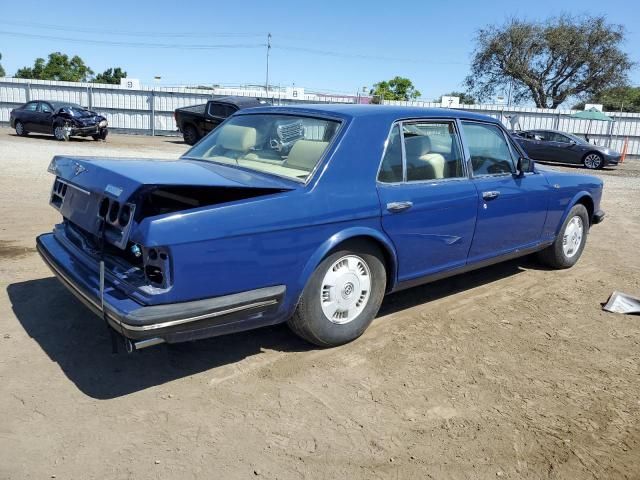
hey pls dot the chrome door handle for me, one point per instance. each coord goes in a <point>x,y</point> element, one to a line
<point>492,195</point>
<point>395,207</point>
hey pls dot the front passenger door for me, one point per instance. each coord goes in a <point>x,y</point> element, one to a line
<point>512,208</point>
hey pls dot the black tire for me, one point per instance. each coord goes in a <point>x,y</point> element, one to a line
<point>554,255</point>
<point>60,133</point>
<point>309,320</point>
<point>190,135</point>
<point>100,136</point>
<point>20,130</point>
<point>593,161</point>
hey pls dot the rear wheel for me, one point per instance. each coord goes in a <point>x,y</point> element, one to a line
<point>342,296</point>
<point>190,135</point>
<point>567,248</point>
<point>593,161</point>
<point>20,130</point>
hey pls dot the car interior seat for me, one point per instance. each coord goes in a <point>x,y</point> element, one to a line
<point>304,154</point>
<point>422,163</point>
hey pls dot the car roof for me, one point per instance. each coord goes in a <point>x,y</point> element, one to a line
<point>56,104</point>
<point>239,101</point>
<point>389,112</point>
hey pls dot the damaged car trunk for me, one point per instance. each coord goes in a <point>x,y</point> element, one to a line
<point>104,201</point>
<point>160,200</point>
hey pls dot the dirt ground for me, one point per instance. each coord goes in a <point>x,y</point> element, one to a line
<point>512,371</point>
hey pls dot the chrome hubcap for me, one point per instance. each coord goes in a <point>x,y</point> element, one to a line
<point>592,160</point>
<point>59,133</point>
<point>345,289</point>
<point>19,128</point>
<point>572,238</point>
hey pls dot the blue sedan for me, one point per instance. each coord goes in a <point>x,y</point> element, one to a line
<point>306,215</point>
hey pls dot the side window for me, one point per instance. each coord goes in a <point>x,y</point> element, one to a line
<point>432,151</point>
<point>557,137</point>
<point>490,153</point>
<point>31,107</point>
<point>220,110</point>
<point>45,108</point>
<point>391,168</point>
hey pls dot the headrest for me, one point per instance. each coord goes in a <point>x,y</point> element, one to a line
<point>236,137</point>
<point>417,146</point>
<point>305,154</point>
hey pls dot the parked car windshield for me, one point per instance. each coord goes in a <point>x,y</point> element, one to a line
<point>285,145</point>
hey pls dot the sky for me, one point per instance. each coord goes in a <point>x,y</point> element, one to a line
<point>331,46</point>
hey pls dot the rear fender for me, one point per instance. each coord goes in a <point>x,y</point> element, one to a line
<point>341,237</point>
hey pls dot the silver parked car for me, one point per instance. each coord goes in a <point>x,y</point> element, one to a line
<point>562,147</point>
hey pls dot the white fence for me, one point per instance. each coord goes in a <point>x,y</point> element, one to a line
<point>150,110</point>
<point>143,110</point>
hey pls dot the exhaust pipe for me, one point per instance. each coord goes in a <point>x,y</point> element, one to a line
<point>131,346</point>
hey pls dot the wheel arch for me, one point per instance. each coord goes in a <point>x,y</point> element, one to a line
<point>349,235</point>
<point>589,152</point>
<point>190,123</point>
<point>581,198</point>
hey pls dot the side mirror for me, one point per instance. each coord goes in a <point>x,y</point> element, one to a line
<point>524,165</point>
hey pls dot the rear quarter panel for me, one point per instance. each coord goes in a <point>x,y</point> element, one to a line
<point>277,239</point>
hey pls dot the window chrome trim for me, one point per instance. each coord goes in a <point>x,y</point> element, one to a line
<point>404,181</point>
<point>473,175</point>
<point>384,152</point>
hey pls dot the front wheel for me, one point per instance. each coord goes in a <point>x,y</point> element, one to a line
<point>342,296</point>
<point>102,135</point>
<point>593,161</point>
<point>61,132</point>
<point>567,248</point>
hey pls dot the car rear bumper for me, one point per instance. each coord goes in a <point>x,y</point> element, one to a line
<point>172,323</point>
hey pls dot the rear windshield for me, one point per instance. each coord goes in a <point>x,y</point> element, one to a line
<point>285,145</point>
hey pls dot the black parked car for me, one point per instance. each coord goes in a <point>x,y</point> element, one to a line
<point>561,147</point>
<point>197,120</point>
<point>61,119</point>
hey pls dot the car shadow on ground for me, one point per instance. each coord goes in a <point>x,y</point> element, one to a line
<point>44,136</point>
<point>577,166</point>
<point>79,342</point>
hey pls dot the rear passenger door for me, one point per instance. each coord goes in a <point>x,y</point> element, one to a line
<point>28,116</point>
<point>428,202</point>
<point>43,118</point>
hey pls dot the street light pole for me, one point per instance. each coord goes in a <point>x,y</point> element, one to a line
<point>266,86</point>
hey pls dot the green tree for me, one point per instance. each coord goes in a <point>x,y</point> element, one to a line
<point>2,72</point>
<point>550,62</point>
<point>398,88</point>
<point>58,67</point>
<point>614,99</point>
<point>111,75</point>
<point>465,98</point>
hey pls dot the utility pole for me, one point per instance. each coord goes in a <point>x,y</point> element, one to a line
<point>266,86</point>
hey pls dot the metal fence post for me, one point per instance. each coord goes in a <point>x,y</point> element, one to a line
<point>153,113</point>
<point>28,92</point>
<point>90,97</point>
